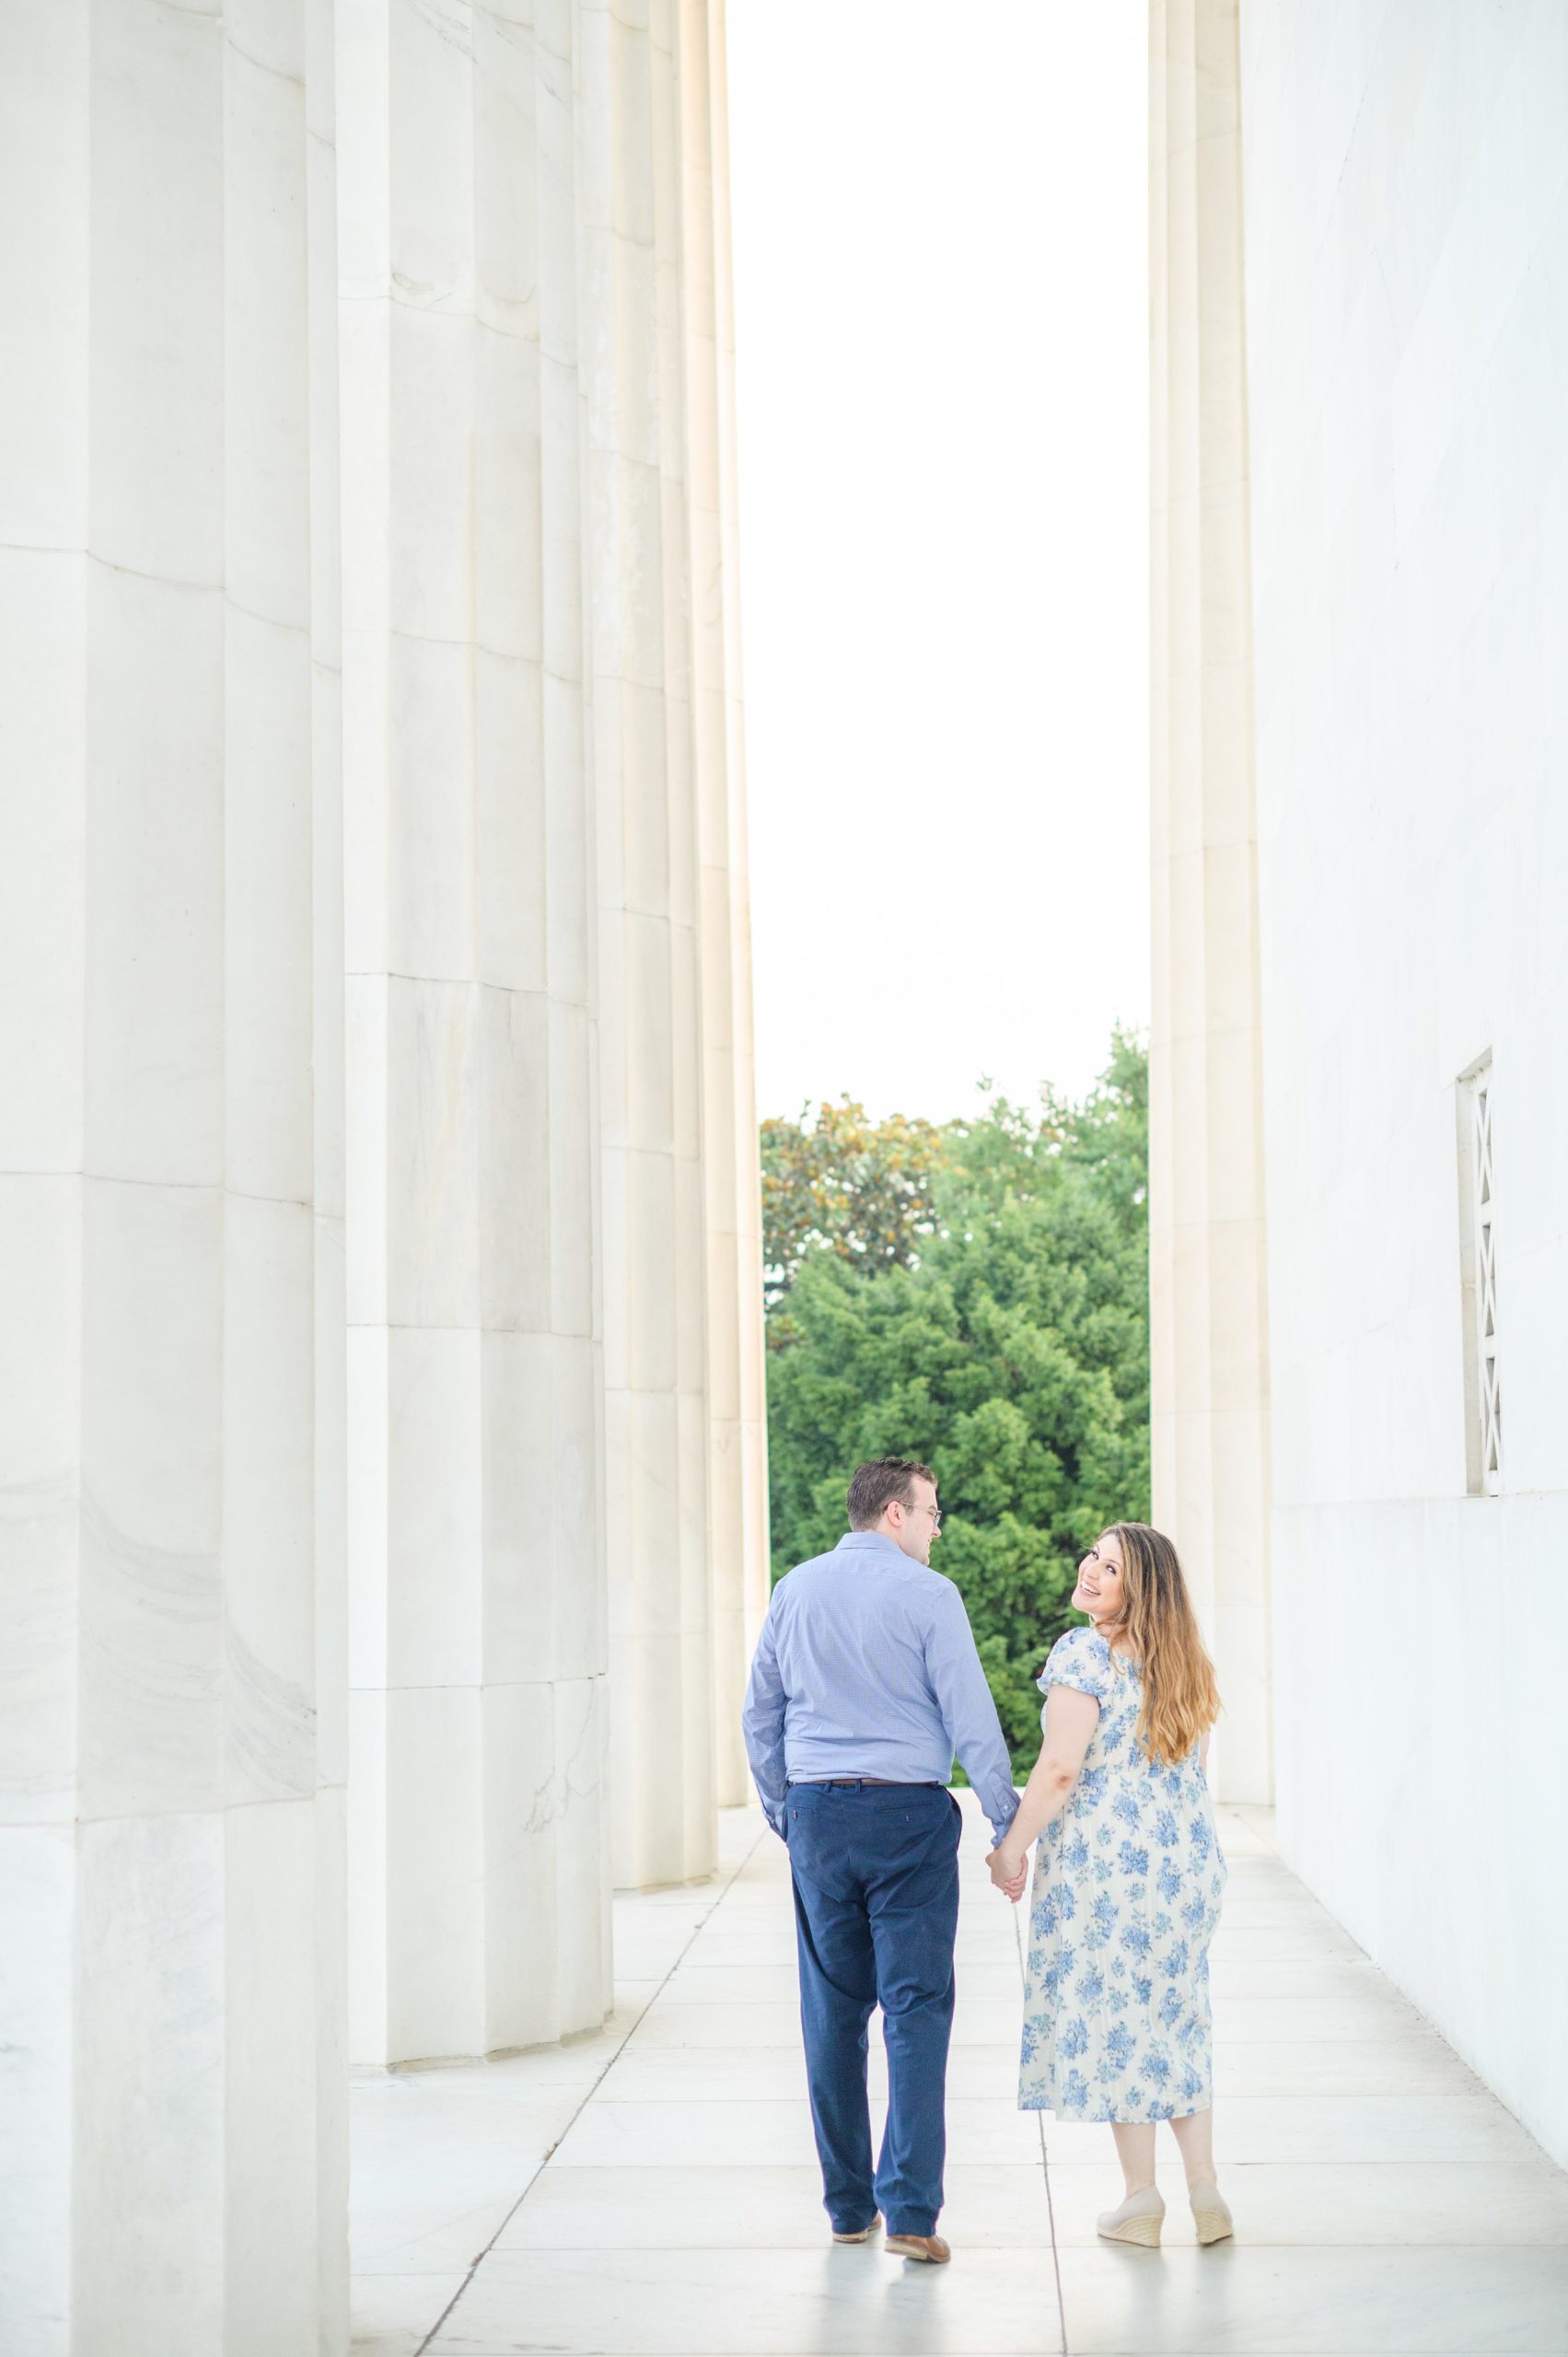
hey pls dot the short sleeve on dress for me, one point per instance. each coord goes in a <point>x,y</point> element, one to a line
<point>1081,1658</point>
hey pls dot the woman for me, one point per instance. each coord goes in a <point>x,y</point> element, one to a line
<point>1127,1878</point>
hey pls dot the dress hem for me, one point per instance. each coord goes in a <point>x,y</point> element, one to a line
<point>1111,2119</point>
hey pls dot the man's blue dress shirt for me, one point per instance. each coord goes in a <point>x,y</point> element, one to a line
<point>866,1667</point>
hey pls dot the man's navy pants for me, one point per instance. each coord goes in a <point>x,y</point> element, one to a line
<point>876,1871</point>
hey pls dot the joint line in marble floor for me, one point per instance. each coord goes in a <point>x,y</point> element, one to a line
<point>1051,2223</point>
<point>720,1895</point>
<point>1020,1916</point>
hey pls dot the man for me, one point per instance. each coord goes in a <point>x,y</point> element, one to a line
<point>864,1685</point>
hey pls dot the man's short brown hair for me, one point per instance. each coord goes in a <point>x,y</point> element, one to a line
<point>876,1486</point>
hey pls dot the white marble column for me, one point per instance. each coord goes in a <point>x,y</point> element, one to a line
<point>738,1495</point>
<point>644,795</point>
<point>171,1754</point>
<point>479,1875</point>
<point>1206,1236</point>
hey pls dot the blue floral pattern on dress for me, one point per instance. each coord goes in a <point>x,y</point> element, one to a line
<point>1126,1897</point>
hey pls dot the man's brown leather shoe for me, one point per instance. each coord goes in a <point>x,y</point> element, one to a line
<point>929,2248</point>
<point>865,2233</point>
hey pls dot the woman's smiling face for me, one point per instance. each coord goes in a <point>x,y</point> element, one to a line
<point>1100,1589</point>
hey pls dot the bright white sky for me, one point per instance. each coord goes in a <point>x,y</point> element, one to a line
<point>941,289</point>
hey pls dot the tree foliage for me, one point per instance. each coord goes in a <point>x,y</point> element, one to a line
<point>847,1185</point>
<point>975,1295</point>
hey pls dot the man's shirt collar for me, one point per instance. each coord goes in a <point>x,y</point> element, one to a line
<point>873,1539</point>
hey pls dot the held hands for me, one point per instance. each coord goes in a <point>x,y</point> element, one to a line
<point>1009,1870</point>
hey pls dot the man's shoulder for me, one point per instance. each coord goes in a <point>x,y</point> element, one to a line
<point>893,1572</point>
<point>900,1576</point>
<point>798,1582</point>
<point>854,1565</point>
<point>940,1594</point>
<point>818,1575</point>
<point>800,1574</point>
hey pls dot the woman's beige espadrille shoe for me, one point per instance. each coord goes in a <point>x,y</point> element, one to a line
<point>1138,2220</point>
<point>1210,2213</point>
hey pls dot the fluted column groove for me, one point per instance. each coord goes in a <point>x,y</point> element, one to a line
<point>479,1876</point>
<point>1206,1233</point>
<point>644,783</point>
<point>736,1415</point>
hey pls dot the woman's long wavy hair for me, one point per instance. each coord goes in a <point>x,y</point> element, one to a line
<point>1182,1700</point>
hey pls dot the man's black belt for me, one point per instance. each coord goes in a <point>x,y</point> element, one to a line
<point>905,1784</point>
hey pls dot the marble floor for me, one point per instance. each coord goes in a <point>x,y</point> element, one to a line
<point>651,2191</point>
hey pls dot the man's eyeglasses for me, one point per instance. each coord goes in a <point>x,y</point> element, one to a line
<point>935,1512</point>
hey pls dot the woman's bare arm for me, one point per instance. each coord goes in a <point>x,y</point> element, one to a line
<point>1071,1718</point>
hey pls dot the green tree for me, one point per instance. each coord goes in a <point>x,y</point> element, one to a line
<point>1006,1343</point>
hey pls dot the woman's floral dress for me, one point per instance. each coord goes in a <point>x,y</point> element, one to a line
<point>1126,1895</point>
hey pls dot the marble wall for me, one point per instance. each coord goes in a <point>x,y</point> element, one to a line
<point>172,1721</point>
<point>1407,277</point>
<point>380,1368</point>
<point>1361,847</point>
<point>1209,1322</point>
<point>1406,430</point>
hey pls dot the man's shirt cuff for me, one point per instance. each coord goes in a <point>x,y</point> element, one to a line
<point>1002,1824</point>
